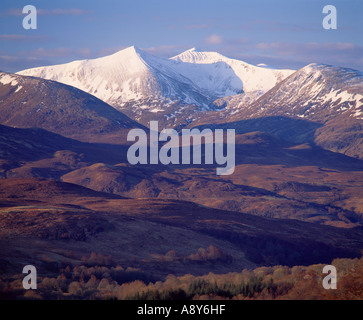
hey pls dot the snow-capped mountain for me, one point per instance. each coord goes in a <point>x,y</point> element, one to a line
<point>127,75</point>
<point>318,103</point>
<point>316,92</point>
<point>145,86</point>
<point>197,88</point>
<point>224,76</point>
<point>328,95</point>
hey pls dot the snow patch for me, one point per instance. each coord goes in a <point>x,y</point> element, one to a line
<point>8,79</point>
<point>156,110</point>
<point>18,89</point>
<point>357,114</point>
<point>344,96</point>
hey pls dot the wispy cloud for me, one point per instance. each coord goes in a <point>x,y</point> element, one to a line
<point>48,53</point>
<point>291,55</point>
<point>339,53</point>
<point>214,39</point>
<point>288,48</point>
<point>11,63</point>
<point>273,26</point>
<point>85,52</point>
<point>63,12</point>
<point>22,38</point>
<point>52,12</point>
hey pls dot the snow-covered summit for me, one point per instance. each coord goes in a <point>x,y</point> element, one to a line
<point>316,92</point>
<point>195,55</point>
<point>230,76</point>
<point>193,77</point>
<point>128,75</point>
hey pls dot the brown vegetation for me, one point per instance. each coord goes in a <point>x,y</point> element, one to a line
<point>108,281</point>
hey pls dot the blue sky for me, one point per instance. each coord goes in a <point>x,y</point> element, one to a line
<point>283,34</point>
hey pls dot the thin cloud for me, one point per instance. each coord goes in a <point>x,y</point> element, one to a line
<point>22,38</point>
<point>84,52</point>
<point>63,12</point>
<point>274,26</point>
<point>285,48</point>
<point>214,39</point>
<point>14,64</point>
<point>345,54</point>
<point>12,37</point>
<point>48,53</point>
<point>53,12</point>
<point>14,12</point>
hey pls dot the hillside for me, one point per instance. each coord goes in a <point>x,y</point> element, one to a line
<point>138,231</point>
<point>318,103</point>
<point>172,91</point>
<point>28,102</point>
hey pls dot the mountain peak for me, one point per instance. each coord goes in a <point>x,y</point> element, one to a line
<point>194,55</point>
<point>313,67</point>
<point>134,76</point>
<point>194,49</point>
<point>224,76</point>
<point>132,50</point>
<point>332,75</point>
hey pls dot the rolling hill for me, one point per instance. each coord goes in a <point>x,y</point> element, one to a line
<point>28,102</point>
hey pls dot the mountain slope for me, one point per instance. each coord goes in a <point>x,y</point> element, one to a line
<point>127,75</point>
<point>172,91</point>
<point>224,76</point>
<point>325,94</point>
<point>315,92</point>
<point>49,216</point>
<point>328,101</point>
<point>35,152</point>
<point>28,102</point>
<point>257,155</point>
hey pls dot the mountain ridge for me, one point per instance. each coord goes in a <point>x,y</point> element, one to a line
<point>328,98</point>
<point>253,78</point>
<point>144,86</point>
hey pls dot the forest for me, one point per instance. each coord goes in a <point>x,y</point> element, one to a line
<point>98,278</point>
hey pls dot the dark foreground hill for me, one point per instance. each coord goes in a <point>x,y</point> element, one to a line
<point>28,102</point>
